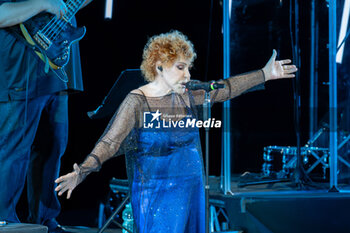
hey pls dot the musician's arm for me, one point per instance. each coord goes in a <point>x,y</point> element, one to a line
<point>85,4</point>
<point>12,13</point>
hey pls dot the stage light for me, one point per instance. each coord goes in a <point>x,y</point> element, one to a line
<point>343,29</point>
<point>109,9</point>
<point>230,8</point>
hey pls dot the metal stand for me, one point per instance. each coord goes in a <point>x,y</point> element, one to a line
<point>121,187</point>
<point>300,177</point>
<point>332,21</point>
<point>206,116</point>
<point>226,115</point>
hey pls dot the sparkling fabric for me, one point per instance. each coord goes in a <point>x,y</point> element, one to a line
<point>164,164</point>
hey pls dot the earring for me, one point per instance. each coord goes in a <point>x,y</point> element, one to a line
<point>160,68</point>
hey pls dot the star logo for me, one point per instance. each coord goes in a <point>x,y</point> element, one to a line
<point>156,115</point>
<point>151,120</point>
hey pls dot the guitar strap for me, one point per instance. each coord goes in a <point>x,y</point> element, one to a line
<point>30,41</point>
<point>15,32</point>
<point>60,73</point>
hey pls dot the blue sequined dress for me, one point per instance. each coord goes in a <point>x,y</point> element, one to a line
<point>167,187</point>
<point>164,164</point>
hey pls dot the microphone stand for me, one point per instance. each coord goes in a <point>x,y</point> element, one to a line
<point>299,176</point>
<point>207,116</point>
<point>207,87</point>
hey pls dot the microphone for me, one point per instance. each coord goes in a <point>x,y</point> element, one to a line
<point>207,86</point>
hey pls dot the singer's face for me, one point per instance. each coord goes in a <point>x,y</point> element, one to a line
<point>177,75</point>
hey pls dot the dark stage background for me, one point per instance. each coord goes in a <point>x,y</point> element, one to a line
<point>259,119</point>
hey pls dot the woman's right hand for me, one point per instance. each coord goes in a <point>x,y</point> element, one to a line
<point>69,182</point>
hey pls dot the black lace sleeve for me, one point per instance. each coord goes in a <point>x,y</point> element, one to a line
<point>118,137</point>
<point>234,86</point>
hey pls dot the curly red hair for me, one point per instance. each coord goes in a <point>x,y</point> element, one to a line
<point>166,48</point>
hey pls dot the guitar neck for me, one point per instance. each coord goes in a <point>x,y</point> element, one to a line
<point>73,6</point>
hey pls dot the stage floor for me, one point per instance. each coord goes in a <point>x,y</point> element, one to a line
<point>282,207</point>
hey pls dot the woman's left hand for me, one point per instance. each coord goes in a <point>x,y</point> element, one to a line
<point>279,69</point>
<point>69,181</point>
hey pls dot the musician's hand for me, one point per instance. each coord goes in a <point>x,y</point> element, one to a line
<point>279,69</point>
<point>69,182</point>
<point>56,7</point>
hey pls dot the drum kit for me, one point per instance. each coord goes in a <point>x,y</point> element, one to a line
<point>280,161</point>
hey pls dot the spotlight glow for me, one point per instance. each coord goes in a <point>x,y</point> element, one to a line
<point>343,28</point>
<point>109,9</point>
<point>230,8</point>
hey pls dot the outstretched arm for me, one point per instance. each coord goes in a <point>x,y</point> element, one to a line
<point>118,129</point>
<point>13,13</point>
<point>238,84</point>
